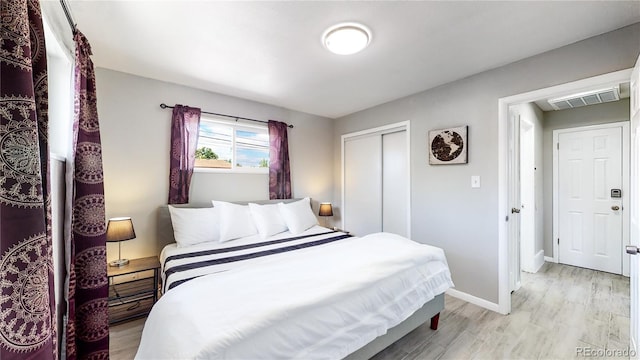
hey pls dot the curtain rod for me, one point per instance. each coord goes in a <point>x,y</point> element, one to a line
<point>67,13</point>
<point>165,106</point>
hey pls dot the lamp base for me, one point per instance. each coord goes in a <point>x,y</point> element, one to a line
<point>119,262</point>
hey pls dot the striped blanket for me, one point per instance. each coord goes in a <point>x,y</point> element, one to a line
<point>183,264</point>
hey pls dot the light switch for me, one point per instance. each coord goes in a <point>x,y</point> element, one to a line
<point>475,181</point>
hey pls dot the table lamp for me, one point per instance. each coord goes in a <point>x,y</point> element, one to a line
<point>325,210</point>
<point>118,230</point>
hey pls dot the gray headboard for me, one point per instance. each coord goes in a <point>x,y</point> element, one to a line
<point>165,229</point>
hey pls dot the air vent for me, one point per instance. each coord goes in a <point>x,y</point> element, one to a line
<point>586,98</point>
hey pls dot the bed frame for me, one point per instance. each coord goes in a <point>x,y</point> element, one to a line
<point>428,312</point>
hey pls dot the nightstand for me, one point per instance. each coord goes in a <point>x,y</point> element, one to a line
<point>132,289</point>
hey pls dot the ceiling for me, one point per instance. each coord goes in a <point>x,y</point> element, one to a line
<point>271,51</point>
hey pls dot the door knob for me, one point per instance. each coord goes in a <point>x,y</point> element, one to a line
<point>515,211</point>
<point>632,249</point>
<point>615,208</point>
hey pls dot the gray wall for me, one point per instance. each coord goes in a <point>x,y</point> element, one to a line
<point>446,211</point>
<point>135,141</point>
<point>565,119</point>
<point>58,193</point>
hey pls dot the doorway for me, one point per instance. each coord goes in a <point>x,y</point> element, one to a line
<point>506,182</point>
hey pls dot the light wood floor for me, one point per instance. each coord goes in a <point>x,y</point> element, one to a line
<point>556,311</point>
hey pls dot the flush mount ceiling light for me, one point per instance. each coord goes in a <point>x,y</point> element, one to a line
<point>346,38</point>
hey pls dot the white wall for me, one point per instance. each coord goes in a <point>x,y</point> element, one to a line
<point>135,142</point>
<point>446,211</point>
<point>59,77</point>
<point>60,104</point>
<point>565,119</point>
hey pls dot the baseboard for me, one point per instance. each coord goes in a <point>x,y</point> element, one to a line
<point>538,261</point>
<point>474,300</point>
<point>549,259</point>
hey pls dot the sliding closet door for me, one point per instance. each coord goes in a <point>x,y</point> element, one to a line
<point>363,185</point>
<point>395,180</point>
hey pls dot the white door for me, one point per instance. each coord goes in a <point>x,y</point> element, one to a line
<point>527,197</point>
<point>514,201</point>
<point>590,216</point>
<point>363,185</point>
<point>634,238</point>
<point>395,169</point>
<point>376,180</point>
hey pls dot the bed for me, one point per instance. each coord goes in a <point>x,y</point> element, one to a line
<point>314,293</point>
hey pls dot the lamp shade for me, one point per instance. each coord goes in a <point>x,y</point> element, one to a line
<point>326,209</point>
<point>120,229</point>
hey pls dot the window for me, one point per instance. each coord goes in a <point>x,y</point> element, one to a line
<point>232,147</point>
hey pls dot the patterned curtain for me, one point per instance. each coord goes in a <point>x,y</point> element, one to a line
<point>185,123</point>
<point>88,316</point>
<point>27,309</point>
<point>279,172</point>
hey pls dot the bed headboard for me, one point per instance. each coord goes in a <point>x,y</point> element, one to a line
<point>165,229</point>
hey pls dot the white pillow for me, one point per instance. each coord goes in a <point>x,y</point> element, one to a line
<point>298,215</point>
<point>235,221</point>
<point>194,226</point>
<point>267,219</point>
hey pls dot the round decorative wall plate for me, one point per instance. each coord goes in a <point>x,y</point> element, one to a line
<point>448,146</point>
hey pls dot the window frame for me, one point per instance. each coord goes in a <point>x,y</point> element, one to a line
<point>235,126</point>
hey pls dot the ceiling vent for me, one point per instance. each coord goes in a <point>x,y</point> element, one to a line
<point>586,98</point>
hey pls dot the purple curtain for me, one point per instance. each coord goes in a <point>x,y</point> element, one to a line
<point>88,315</point>
<point>279,172</point>
<point>185,122</point>
<point>27,309</point>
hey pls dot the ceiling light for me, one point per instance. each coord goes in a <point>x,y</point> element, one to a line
<point>346,38</point>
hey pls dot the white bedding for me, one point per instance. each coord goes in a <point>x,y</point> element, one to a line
<point>323,302</point>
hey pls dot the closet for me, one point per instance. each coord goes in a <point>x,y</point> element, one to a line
<point>376,180</point>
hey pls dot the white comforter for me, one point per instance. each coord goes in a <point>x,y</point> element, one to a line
<point>323,302</point>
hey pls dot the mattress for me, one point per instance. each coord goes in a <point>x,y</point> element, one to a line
<point>319,301</point>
